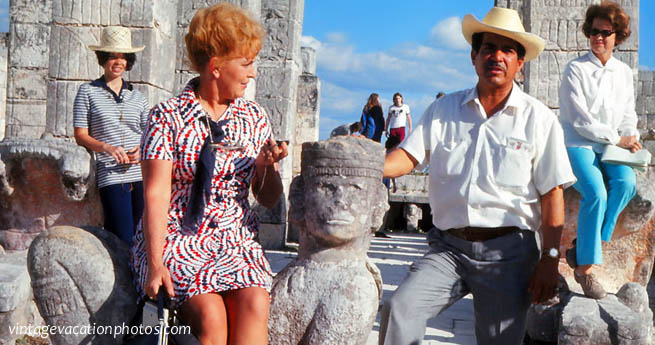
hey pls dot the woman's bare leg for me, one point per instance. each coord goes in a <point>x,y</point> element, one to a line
<point>247,311</point>
<point>207,317</point>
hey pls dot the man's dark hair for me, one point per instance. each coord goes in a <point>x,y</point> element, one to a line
<point>355,127</point>
<point>103,57</point>
<point>392,142</point>
<point>476,43</point>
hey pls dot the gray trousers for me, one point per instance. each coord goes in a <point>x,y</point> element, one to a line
<point>497,272</point>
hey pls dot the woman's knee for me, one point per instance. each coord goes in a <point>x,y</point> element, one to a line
<point>625,186</point>
<point>207,317</point>
<point>253,301</point>
<point>594,193</point>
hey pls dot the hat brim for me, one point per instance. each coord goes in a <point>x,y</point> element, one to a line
<point>532,43</point>
<point>117,49</point>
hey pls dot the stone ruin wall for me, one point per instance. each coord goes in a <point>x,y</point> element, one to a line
<point>47,60</point>
<point>559,22</point>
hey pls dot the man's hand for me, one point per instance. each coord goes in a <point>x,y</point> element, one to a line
<point>543,285</point>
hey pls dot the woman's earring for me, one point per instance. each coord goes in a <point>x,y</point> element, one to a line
<point>217,74</point>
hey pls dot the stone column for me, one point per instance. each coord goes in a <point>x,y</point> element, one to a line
<point>29,34</point>
<point>308,105</point>
<point>185,12</point>
<point>4,37</point>
<point>277,85</point>
<point>646,107</point>
<point>77,24</point>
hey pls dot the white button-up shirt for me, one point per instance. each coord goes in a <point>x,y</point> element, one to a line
<point>489,172</point>
<point>597,103</point>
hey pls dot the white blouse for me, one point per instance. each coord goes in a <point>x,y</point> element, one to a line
<point>597,103</point>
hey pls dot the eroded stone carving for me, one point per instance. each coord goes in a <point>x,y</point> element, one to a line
<point>81,277</point>
<point>330,293</point>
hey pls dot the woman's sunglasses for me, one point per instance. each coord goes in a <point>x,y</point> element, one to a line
<point>604,33</point>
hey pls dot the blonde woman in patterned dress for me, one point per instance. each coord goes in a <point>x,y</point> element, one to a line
<point>202,152</point>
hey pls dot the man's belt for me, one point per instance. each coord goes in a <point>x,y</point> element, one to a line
<point>476,234</point>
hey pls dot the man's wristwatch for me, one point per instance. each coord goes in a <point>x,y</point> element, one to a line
<point>552,253</point>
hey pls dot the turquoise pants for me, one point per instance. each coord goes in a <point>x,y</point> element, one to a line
<point>606,189</point>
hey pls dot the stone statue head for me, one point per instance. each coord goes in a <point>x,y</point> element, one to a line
<point>339,195</point>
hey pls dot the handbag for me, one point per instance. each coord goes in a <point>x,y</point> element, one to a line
<point>616,155</point>
<point>160,320</point>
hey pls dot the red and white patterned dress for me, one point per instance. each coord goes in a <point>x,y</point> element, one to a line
<point>223,254</point>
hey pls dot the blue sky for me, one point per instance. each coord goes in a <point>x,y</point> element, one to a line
<point>413,47</point>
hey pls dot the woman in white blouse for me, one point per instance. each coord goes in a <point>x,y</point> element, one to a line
<point>597,108</point>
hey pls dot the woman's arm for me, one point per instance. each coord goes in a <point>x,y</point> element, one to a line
<point>157,175</point>
<point>83,138</point>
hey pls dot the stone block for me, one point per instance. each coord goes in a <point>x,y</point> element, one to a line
<point>186,9</point>
<point>25,315</point>
<point>158,14</point>
<point>543,75</point>
<point>309,100</point>
<point>631,58</point>
<point>30,11</point>
<point>153,94</point>
<point>283,22</point>
<point>181,79</point>
<point>17,131</point>
<point>70,43</point>
<point>15,289</point>
<point>152,66</point>
<point>277,93</point>
<point>93,12</point>
<point>29,45</point>
<point>308,55</point>
<point>272,236</point>
<point>59,110</point>
<point>26,112</point>
<point>182,62</point>
<point>27,84</point>
<point>650,146</point>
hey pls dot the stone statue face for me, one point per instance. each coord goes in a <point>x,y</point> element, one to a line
<point>338,208</point>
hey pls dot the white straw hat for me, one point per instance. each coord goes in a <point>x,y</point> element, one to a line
<point>504,22</point>
<point>116,39</point>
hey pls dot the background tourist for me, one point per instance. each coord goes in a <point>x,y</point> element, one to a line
<point>597,108</point>
<point>202,151</point>
<point>108,118</point>
<point>399,119</point>
<point>372,118</point>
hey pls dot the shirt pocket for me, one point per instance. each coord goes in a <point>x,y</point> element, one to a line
<point>448,158</point>
<point>513,164</point>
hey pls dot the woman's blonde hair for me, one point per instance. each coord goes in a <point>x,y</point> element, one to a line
<point>224,31</point>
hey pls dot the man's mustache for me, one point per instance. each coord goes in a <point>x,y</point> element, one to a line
<point>491,64</point>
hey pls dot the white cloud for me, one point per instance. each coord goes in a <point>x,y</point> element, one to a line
<point>309,41</point>
<point>336,37</point>
<point>448,33</point>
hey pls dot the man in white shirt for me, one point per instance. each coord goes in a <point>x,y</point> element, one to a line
<point>496,178</point>
<point>399,120</point>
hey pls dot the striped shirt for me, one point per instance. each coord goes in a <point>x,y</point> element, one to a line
<point>117,120</point>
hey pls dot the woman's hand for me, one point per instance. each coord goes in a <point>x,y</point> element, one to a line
<point>629,143</point>
<point>271,153</point>
<point>158,275</point>
<point>117,152</point>
<point>134,155</point>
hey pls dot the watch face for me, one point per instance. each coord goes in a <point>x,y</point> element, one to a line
<point>553,252</point>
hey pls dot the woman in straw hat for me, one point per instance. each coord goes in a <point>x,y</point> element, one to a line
<point>202,152</point>
<point>109,116</point>
<point>597,108</point>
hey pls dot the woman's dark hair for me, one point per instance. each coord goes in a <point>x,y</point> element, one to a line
<point>103,57</point>
<point>611,12</point>
<point>476,43</point>
<point>372,101</point>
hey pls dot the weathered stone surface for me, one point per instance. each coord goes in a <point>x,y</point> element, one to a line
<point>27,84</point>
<point>14,281</point>
<point>28,45</point>
<point>30,11</point>
<point>4,40</point>
<point>308,55</point>
<point>81,277</point>
<point>621,319</point>
<point>412,188</point>
<point>413,214</point>
<point>47,184</point>
<point>25,118</point>
<point>186,9</point>
<point>70,43</point>
<point>283,22</point>
<point>330,293</point>
<point>154,95</point>
<point>308,108</point>
<point>59,111</point>
<point>629,256</point>
<point>96,12</point>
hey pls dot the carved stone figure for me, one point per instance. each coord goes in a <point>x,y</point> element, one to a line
<point>80,277</point>
<point>330,293</point>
